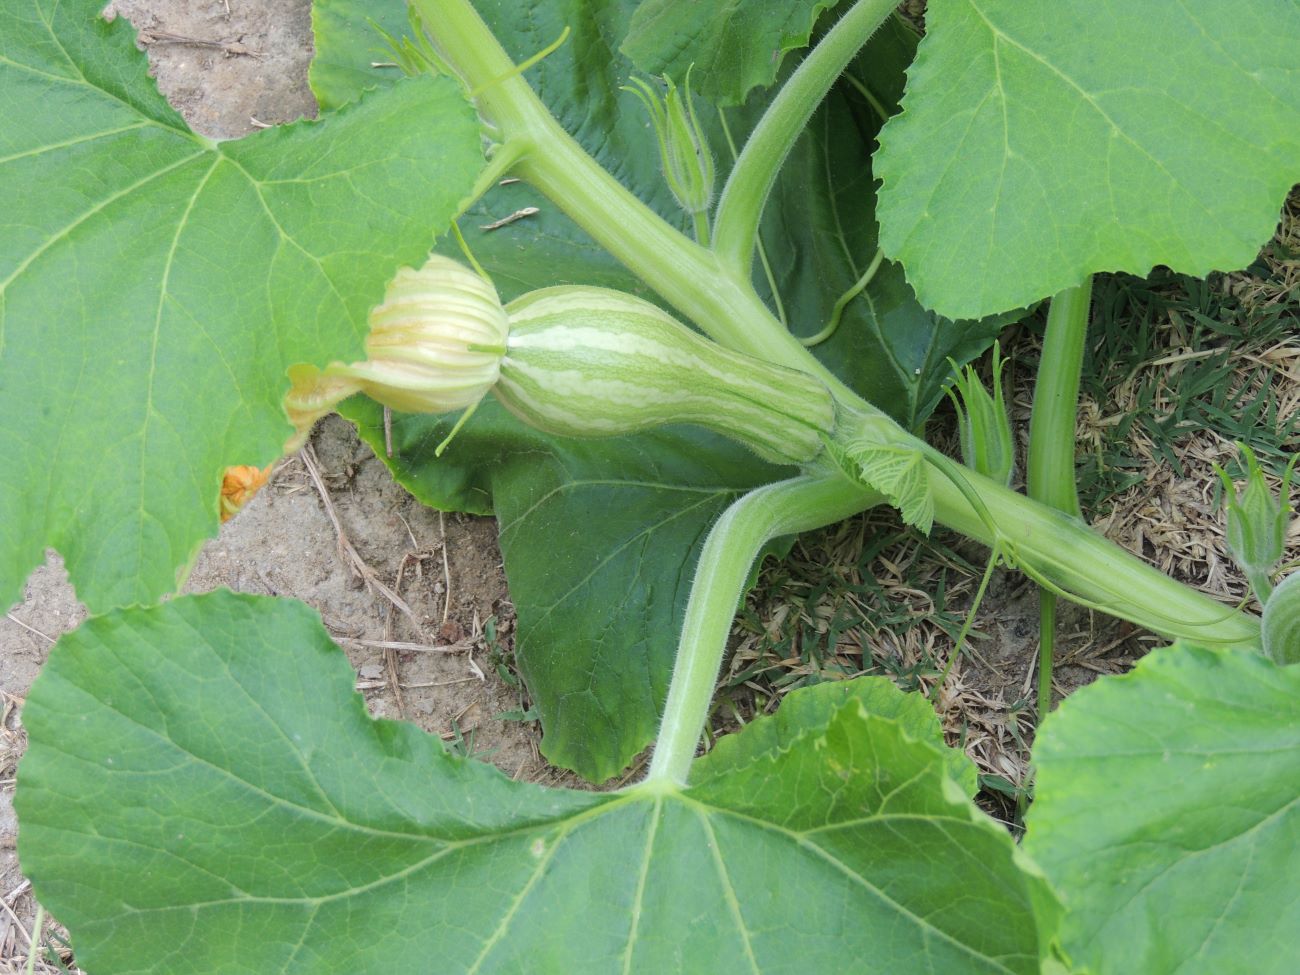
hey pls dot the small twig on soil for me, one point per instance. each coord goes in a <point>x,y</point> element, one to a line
<point>19,925</point>
<point>418,556</point>
<point>446,568</point>
<point>519,214</point>
<point>229,48</point>
<point>460,646</point>
<point>390,655</point>
<point>371,685</point>
<point>346,549</point>
<point>30,629</point>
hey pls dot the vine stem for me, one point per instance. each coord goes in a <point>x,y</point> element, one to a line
<point>784,508</point>
<point>741,206</point>
<point>1072,557</point>
<point>1050,474</point>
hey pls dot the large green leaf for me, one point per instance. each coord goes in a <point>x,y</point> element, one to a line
<point>1041,142</point>
<point>154,286</point>
<point>729,48</point>
<point>351,55</point>
<point>215,799</point>
<point>599,538</point>
<point>1167,813</point>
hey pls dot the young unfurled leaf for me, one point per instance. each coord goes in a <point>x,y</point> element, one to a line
<point>899,473</point>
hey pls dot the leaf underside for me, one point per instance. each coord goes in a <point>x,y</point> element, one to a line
<point>1025,159</point>
<point>218,801</point>
<point>154,290</point>
<point>1167,815</point>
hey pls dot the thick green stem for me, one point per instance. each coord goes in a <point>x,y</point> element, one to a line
<point>750,182</point>
<point>800,504</point>
<point>1050,476</point>
<point>1067,554</point>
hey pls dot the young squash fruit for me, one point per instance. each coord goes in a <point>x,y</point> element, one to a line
<point>584,362</point>
<point>571,361</point>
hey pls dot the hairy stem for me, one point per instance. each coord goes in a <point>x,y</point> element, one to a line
<point>1069,555</point>
<point>796,505</point>
<point>750,182</point>
<point>1050,476</point>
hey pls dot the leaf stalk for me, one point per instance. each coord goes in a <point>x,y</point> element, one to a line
<point>1050,473</point>
<point>743,198</point>
<point>784,508</point>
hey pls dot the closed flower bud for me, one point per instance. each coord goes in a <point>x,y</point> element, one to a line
<point>1257,522</point>
<point>590,362</point>
<point>435,343</point>
<point>683,150</point>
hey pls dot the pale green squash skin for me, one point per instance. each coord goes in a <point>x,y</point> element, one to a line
<point>590,362</point>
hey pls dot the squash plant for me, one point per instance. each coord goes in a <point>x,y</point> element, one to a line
<point>203,790</point>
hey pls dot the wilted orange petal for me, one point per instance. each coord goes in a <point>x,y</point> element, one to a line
<point>238,487</point>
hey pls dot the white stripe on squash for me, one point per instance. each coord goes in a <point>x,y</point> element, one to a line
<point>591,362</point>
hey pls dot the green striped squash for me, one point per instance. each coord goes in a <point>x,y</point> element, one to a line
<point>590,362</point>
